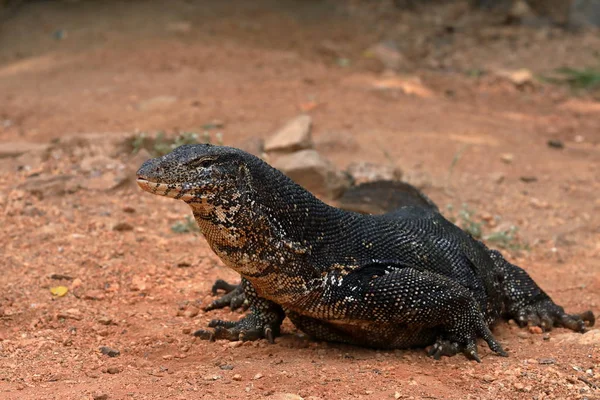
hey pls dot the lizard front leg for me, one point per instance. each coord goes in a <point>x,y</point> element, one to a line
<point>233,298</point>
<point>263,321</point>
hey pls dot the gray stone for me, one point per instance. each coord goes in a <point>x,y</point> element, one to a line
<point>315,173</point>
<point>293,136</point>
<point>362,172</point>
<point>584,13</point>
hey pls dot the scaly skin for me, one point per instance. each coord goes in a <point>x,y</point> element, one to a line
<point>404,279</point>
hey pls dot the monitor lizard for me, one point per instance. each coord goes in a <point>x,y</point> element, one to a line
<point>409,278</point>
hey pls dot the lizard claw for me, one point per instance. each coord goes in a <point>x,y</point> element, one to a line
<point>269,335</point>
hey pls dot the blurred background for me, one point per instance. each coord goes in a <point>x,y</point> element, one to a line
<point>490,108</point>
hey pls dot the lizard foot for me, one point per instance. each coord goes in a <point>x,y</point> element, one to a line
<point>251,327</point>
<point>234,296</point>
<point>546,314</point>
<point>453,344</point>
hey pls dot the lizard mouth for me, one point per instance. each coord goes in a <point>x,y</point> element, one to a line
<point>173,190</point>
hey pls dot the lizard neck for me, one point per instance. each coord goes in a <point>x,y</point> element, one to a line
<point>271,226</point>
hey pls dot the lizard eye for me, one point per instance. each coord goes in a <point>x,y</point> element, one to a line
<point>203,162</point>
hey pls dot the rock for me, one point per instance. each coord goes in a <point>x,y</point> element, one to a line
<point>528,178</point>
<point>191,312</point>
<point>113,370</point>
<point>591,337</point>
<point>362,172</point>
<point>556,144</point>
<point>104,320</point>
<point>226,367</point>
<point>387,54</point>
<point>71,313</point>
<point>523,335</point>
<point>546,361</point>
<point>285,396</point>
<point>59,276</point>
<point>77,282</point>
<point>507,158</point>
<point>497,177</point>
<point>138,284</point>
<point>99,396</point>
<point>109,351</point>
<point>488,378</point>
<point>93,295</point>
<point>535,330</point>
<point>539,204</point>
<point>409,85</point>
<point>313,172</point>
<point>584,13</point>
<point>294,135</point>
<point>237,377</point>
<point>122,227</point>
<point>15,149</point>
<point>50,185</point>
<point>258,376</point>
<point>519,77</point>
<point>156,103</point>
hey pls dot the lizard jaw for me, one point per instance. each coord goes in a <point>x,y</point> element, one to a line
<point>174,191</point>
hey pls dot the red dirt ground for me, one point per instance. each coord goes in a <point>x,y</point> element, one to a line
<point>124,67</point>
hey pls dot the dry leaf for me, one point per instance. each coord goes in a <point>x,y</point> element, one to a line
<point>59,291</point>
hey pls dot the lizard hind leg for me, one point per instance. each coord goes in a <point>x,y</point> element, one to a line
<point>529,305</point>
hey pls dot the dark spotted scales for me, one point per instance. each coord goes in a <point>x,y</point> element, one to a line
<point>403,279</point>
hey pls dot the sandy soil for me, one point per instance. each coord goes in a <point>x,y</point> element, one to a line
<point>70,71</point>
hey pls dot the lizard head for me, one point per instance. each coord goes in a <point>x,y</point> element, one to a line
<point>196,173</point>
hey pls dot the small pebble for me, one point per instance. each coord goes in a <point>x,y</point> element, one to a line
<point>104,320</point>
<point>191,312</point>
<point>547,361</point>
<point>507,158</point>
<point>109,352</point>
<point>535,330</point>
<point>122,227</point>
<point>523,335</point>
<point>100,396</point>
<point>237,377</point>
<point>226,367</point>
<point>556,144</point>
<point>528,179</point>
<point>113,370</point>
<point>258,376</point>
